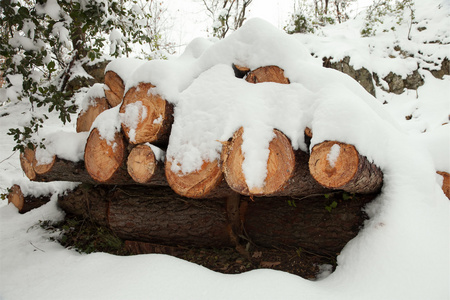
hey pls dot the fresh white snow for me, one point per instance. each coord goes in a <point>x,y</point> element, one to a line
<point>403,251</point>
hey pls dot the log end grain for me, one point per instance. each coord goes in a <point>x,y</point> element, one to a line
<point>116,87</point>
<point>16,197</point>
<point>141,163</point>
<point>26,162</point>
<point>103,158</point>
<point>155,118</point>
<point>445,183</point>
<point>333,172</point>
<point>86,118</point>
<point>267,74</point>
<point>198,184</point>
<point>280,165</point>
<point>40,168</point>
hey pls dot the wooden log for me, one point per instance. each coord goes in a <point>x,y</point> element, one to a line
<point>445,183</point>
<point>240,71</point>
<point>154,215</point>
<point>267,74</point>
<point>25,203</point>
<point>154,124</point>
<point>159,216</point>
<point>287,170</point>
<point>144,167</point>
<point>105,160</point>
<point>208,182</point>
<point>86,118</point>
<point>115,88</point>
<point>305,224</point>
<point>27,158</point>
<point>339,166</point>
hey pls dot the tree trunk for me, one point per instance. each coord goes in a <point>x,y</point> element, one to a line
<point>152,116</point>
<point>115,88</point>
<point>339,166</point>
<point>267,74</point>
<point>153,215</point>
<point>86,118</point>
<point>305,224</point>
<point>445,183</point>
<point>206,182</point>
<point>287,171</point>
<point>159,216</point>
<point>143,166</point>
<point>105,160</point>
<point>25,203</point>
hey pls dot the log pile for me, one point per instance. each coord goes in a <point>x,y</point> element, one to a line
<point>135,192</point>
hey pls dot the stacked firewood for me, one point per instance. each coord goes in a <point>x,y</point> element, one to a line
<point>130,182</point>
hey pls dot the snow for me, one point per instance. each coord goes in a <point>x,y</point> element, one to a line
<point>402,252</point>
<point>134,113</point>
<point>333,155</point>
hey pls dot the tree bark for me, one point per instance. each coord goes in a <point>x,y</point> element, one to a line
<point>445,183</point>
<point>267,74</point>
<point>25,203</point>
<point>105,160</point>
<point>143,166</point>
<point>348,171</point>
<point>156,125</point>
<point>206,182</point>
<point>159,216</point>
<point>115,88</point>
<point>287,171</point>
<point>305,223</point>
<point>86,118</point>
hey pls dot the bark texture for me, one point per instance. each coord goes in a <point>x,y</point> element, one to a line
<point>156,117</point>
<point>350,171</point>
<point>159,216</point>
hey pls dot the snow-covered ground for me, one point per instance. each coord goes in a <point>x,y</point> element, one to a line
<point>403,251</point>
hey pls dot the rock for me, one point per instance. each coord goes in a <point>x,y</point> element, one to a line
<point>445,69</point>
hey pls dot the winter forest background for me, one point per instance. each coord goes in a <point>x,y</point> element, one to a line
<point>53,51</point>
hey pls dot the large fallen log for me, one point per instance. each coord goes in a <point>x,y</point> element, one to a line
<point>158,215</point>
<point>105,160</point>
<point>287,171</point>
<point>267,74</point>
<point>147,116</point>
<point>87,117</point>
<point>25,203</point>
<point>114,88</point>
<point>339,166</point>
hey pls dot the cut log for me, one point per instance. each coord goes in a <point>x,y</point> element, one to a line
<point>287,170</point>
<point>267,74</point>
<point>305,224</point>
<point>445,183</point>
<point>105,160</point>
<point>240,71</point>
<point>143,166</point>
<point>155,117</point>
<point>339,166</point>
<point>206,182</point>
<point>25,203</point>
<point>26,162</point>
<point>155,215</point>
<point>159,216</point>
<point>86,118</point>
<point>280,165</point>
<point>115,88</point>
